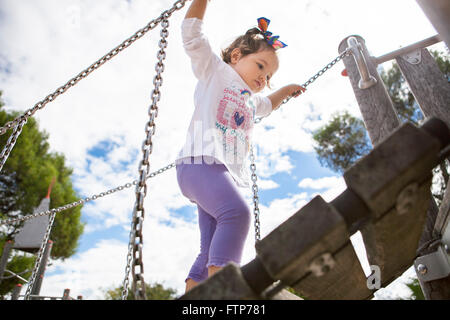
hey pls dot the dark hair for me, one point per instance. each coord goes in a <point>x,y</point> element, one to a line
<point>251,42</point>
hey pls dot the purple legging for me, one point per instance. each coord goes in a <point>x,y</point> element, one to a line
<point>223,214</point>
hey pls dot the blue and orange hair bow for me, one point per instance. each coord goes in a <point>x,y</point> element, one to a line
<point>263,24</point>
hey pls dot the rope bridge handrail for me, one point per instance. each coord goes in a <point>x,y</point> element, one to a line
<point>85,200</point>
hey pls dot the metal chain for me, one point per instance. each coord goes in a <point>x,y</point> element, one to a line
<point>85,200</point>
<point>136,239</point>
<point>40,254</point>
<point>11,142</point>
<point>111,54</point>
<point>254,177</point>
<point>314,77</point>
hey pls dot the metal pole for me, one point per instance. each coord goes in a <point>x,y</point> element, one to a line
<point>4,259</point>
<point>412,47</point>
<point>40,276</point>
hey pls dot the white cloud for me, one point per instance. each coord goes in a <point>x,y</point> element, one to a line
<point>321,183</point>
<point>267,184</point>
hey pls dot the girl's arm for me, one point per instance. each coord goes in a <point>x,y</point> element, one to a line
<point>278,96</point>
<point>197,9</point>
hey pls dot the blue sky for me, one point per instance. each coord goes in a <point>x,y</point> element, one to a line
<point>99,124</point>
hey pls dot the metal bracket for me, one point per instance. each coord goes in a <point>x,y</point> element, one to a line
<point>414,57</point>
<point>367,80</point>
<point>433,266</point>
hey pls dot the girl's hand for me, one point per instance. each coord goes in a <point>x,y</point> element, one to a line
<point>295,90</point>
<point>292,90</point>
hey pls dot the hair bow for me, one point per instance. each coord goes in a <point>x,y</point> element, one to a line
<point>263,24</point>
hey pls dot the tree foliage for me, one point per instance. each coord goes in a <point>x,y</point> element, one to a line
<point>24,181</point>
<point>341,142</point>
<point>155,291</point>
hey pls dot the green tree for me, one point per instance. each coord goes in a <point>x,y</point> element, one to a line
<point>154,291</point>
<point>24,181</point>
<point>341,142</point>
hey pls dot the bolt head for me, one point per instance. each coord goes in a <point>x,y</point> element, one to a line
<point>422,269</point>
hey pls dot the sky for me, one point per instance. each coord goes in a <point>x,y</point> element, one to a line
<point>99,124</point>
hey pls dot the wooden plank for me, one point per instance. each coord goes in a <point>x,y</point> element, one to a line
<point>226,284</point>
<point>407,155</point>
<point>387,180</point>
<point>397,236</point>
<point>288,254</point>
<point>287,251</point>
<point>432,92</point>
<point>285,295</point>
<point>428,85</point>
<point>441,228</point>
<point>375,104</point>
<point>345,281</point>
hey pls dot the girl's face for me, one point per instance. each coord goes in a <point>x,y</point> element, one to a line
<point>255,69</point>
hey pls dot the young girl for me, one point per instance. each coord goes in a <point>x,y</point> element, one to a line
<point>212,164</point>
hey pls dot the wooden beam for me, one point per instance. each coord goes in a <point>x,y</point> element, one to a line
<point>428,85</point>
<point>375,104</point>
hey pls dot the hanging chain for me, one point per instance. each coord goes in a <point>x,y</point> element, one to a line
<point>136,240</point>
<point>11,142</point>
<point>40,254</point>
<point>314,77</point>
<point>85,200</point>
<point>254,177</point>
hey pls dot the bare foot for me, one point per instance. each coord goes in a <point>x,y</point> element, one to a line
<point>212,270</point>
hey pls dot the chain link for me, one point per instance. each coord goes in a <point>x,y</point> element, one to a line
<point>11,142</point>
<point>256,212</point>
<point>134,256</point>
<point>85,200</point>
<point>314,77</point>
<point>40,255</point>
<point>254,177</point>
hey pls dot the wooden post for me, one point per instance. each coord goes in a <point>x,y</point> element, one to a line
<point>438,12</point>
<point>439,289</point>
<point>379,118</point>
<point>376,106</point>
<point>428,85</point>
<point>432,92</point>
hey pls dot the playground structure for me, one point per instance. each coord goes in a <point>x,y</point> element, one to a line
<point>29,239</point>
<point>387,198</point>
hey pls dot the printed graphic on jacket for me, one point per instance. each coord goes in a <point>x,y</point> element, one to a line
<point>234,122</point>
